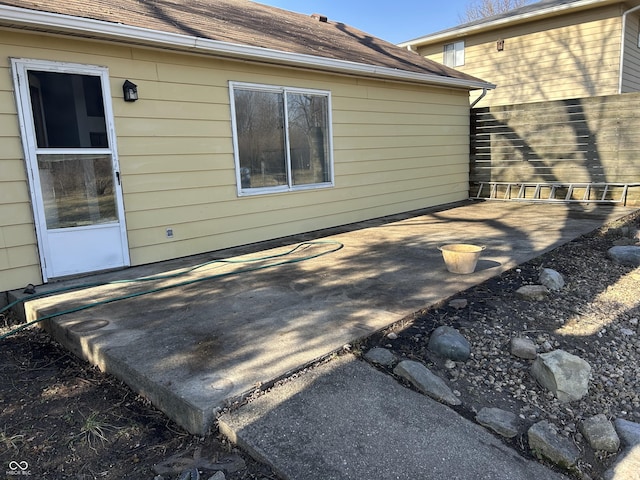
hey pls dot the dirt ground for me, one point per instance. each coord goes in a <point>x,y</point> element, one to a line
<point>67,419</point>
<point>63,419</point>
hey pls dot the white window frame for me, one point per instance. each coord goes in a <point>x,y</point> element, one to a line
<point>289,187</point>
<point>453,54</point>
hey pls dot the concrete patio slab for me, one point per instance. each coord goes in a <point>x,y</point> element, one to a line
<point>345,420</point>
<point>192,349</point>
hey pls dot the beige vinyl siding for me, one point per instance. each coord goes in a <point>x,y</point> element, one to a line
<point>381,155</point>
<point>631,67</point>
<point>397,147</point>
<point>19,263</point>
<point>567,56</point>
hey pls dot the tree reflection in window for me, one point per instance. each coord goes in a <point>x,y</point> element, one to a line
<point>283,138</point>
<point>308,139</point>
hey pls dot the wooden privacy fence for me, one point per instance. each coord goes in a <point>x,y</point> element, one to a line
<point>585,149</point>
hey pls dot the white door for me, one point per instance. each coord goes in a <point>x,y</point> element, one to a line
<point>69,143</point>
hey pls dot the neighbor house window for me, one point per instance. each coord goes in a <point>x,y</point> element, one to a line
<point>282,138</point>
<point>453,54</point>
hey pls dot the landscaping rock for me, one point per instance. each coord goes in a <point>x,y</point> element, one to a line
<point>564,374</point>
<point>500,421</point>
<point>624,241</point>
<point>629,432</point>
<point>426,382</point>
<point>447,342</point>
<point>546,443</point>
<point>627,465</point>
<point>629,234</point>
<point>533,292</point>
<point>381,356</point>
<point>523,348</point>
<point>600,433</point>
<point>449,364</point>
<point>625,255</point>
<point>551,279</point>
<point>458,303</point>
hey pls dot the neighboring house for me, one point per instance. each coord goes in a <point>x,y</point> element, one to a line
<point>133,132</point>
<point>549,50</point>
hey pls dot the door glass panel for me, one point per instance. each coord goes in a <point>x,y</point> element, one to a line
<point>68,110</point>
<point>77,190</point>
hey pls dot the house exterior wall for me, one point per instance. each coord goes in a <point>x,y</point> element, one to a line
<point>19,264</point>
<point>396,147</point>
<point>567,56</point>
<point>631,65</point>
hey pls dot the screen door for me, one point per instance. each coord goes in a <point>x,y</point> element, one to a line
<point>69,143</point>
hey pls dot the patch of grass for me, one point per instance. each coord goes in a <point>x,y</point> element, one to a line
<point>95,430</point>
<point>10,442</point>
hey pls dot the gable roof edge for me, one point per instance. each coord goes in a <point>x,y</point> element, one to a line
<point>97,29</point>
<point>456,32</point>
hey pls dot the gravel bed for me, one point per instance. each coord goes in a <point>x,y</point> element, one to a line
<point>594,316</point>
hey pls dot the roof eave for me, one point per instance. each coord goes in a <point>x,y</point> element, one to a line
<point>492,25</point>
<point>97,29</point>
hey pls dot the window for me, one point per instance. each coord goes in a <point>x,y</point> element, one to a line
<point>69,120</point>
<point>282,138</point>
<point>453,54</point>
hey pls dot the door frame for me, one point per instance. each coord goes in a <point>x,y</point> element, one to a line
<point>20,67</point>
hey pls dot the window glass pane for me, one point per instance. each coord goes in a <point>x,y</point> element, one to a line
<point>459,53</point>
<point>308,138</point>
<point>453,54</point>
<point>68,111</point>
<point>448,55</point>
<point>77,190</point>
<point>260,134</point>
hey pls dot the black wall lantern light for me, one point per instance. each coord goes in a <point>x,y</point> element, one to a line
<point>130,91</point>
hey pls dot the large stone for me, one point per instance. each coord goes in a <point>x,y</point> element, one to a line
<point>625,255</point>
<point>551,279</point>
<point>381,356</point>
<point>546,443</point>
<point>426,382</point>
<point>447,342</point>
<point>564,374</point>
<point>600,434</point>
<point>500,421</point>
<point>629,432</point>
<point>627,464</point>
<point>533,292</point>
<point>523,348</point>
